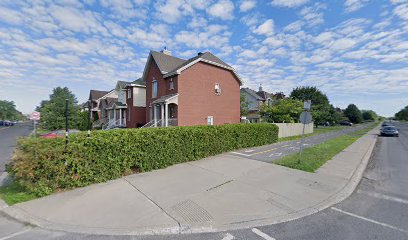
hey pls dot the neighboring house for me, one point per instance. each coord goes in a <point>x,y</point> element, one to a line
<point>117,110</point>
<point>94,97</point>
<point>255,100</point>
<point>136,103</point>
<point>199,91</point>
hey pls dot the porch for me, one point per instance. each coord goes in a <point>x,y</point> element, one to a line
<point>164,111</point>
<point>116,116</point>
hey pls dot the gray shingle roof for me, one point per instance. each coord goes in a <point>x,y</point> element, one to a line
<point>95,94</point>
<point>139,81</point>
<point>165,62</point>
<point>252,93</point>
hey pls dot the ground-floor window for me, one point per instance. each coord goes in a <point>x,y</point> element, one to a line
<point>210,120</point>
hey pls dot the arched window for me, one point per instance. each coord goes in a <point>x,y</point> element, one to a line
<point>154,88</point>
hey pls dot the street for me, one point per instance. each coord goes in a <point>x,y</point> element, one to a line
<point>378,208</point>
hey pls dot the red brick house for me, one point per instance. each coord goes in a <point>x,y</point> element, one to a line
<point>136,103</point>
<point>199,91</point>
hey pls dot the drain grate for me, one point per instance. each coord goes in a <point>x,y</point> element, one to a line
<point>191,212</point>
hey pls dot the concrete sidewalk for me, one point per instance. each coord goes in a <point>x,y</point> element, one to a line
<point>214,194</point>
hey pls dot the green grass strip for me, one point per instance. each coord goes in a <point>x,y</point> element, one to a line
<point>314,157</point>
<point>15,193</point>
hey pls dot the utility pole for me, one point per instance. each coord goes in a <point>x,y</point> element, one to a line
<point>66,123</point>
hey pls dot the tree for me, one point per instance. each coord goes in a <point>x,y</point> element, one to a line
<point>53,110</point>
<point>353,114</point>
<point>369,115</point>
<point>402,114</point>
<point>310,93</point>
<point>285,110</point>
<point>244,105</point>
<point>8,111</point>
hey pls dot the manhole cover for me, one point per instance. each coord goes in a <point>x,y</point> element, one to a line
<point>191,212</point>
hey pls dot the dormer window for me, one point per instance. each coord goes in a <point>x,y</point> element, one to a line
<point>171,84</point>
<point>154,88</point>
<point>217,89</point>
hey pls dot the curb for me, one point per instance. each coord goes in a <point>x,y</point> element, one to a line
<point>21,216</point>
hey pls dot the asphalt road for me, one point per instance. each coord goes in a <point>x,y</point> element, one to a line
<point>378,209</point>
<point>8,137</point>
<point>275,151</point>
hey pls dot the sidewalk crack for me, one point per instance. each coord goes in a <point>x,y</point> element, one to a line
<point>151,200</point>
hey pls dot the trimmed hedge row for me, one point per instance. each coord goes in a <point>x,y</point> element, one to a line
<point>43,165</point>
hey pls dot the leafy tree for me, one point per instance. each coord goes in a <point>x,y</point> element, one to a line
<point>8,111</point>
<point>285,110</point>
<point>310,93</point>
<point>402,114</point>
<point>353,113</point>
<point>244,105</point>
<point>369,115</point>
<point>53,110</point>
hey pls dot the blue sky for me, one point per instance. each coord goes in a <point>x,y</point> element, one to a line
<point>356,51</point>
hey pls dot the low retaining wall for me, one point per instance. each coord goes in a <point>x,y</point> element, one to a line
<point>293,129</point>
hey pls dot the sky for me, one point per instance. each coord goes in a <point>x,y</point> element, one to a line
<point>355,51</point>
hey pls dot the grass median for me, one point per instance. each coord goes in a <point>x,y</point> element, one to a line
<point>15,193</point>
<point>316,131</point>
<point>314,157</point>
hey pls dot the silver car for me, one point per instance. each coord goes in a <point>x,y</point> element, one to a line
<point>389,131</point>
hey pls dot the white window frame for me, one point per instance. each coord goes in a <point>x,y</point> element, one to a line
<point>154,88</point>
<point>171,84</point>
<point>210,120</point>
<point>129,92</point>
<point>217,89</point>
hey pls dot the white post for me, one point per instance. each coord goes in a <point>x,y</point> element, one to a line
<point>155,115</point>
<point>166,110</point>
<point>162,114</point>
<point>120,117</point>
<point>114,115</point>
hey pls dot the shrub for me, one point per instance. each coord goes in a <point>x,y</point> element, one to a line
<point>44,165</point>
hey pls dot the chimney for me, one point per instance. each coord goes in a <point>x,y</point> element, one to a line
<point>199,53</point>
<point>260,88</point>
<point>166,51</point>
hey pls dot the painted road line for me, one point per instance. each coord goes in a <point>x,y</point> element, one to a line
<point>275,154</point>
<point>370,220</point>
<point>250,150</point>
<point>272,149</point>
<point>228,236</point>
<point>15,234</point>
<point>383,196</point>
<point>246,155</point>
<point>262,234</point>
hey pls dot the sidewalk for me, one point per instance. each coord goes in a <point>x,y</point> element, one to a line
<point>214,194</point>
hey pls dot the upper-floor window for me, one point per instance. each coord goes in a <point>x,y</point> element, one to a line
<point>154,88</point>
<point>171,84</point>
<point>129,93</point>
<point>217,89</point>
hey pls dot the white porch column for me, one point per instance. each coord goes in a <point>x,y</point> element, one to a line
<point>120,116</point>
<point>155,115</point>
<point>166,111</point>
<point>162,114</point>
<point>114,115</point>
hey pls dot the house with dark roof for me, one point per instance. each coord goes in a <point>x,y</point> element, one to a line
<point>94,96</point>
<point>199,91</point>
<point>255,100</point>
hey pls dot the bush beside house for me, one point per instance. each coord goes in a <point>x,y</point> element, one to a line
<point>43,165</point>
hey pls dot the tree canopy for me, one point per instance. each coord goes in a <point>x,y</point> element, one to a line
<point>285,110</point>
<point>8,111</point>
<point>353,113</point>
<point>53,111</point>
<point>402,114</point>
<point>310,93</point>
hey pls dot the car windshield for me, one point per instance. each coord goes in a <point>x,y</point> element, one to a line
<point>390,128</point>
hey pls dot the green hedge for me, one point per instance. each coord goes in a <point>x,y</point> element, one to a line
<point>43,165</point>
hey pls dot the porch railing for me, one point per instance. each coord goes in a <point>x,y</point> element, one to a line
<point>115,124</point>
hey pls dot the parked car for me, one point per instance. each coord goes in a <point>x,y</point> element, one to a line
<point>346,123</point>
<point>1,123</point>
<point>8,123</point>
<point>389,131</point>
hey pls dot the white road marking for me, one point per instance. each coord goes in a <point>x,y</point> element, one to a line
<point>369,220</point>
<point>262,234</point>
<point>285,146</point>
<point>246,155</point>
<point>228,236</point>
<point>250,150</point>
<point>383,196</point>
<point>15,234</point>
<point>275,154</point>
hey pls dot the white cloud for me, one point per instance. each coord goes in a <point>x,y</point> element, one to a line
<point>343,44</point>
<point>294,27</point>
<point>312,15</point>
<point>266,28</point>
<point>273,42</point>
<point>402,11</point>
<point>223,9</point>
<point>10,16</point>
<point>288,3</point>
<point>247,5</point>
<point>354,5</point>
<point>323,37</point>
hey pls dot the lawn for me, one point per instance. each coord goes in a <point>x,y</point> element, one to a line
<point>314,157</point>
<point>15,193</point>
<point>316,131</point>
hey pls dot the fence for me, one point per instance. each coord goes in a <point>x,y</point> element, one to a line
<point>293,129</point>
